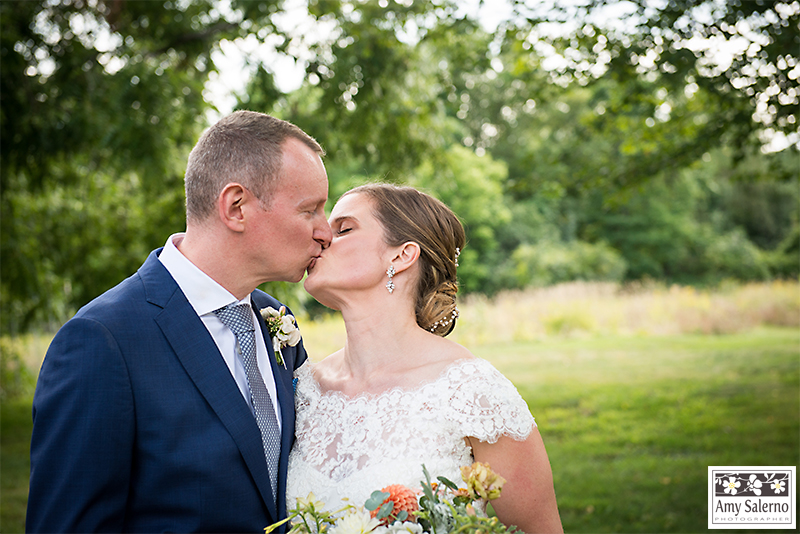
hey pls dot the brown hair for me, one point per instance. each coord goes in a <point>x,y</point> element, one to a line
<point>244,147</point>
<point>408,214</point>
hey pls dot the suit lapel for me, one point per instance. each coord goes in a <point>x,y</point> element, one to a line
<point>198,354</point>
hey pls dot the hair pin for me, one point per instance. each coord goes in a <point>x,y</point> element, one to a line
<point>445,322</point>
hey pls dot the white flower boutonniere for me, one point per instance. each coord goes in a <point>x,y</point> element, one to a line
<point>282,329</point>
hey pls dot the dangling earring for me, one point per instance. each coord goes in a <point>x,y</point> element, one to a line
<point>390,284</point>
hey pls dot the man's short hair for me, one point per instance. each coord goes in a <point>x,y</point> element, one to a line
<point>244,147</point>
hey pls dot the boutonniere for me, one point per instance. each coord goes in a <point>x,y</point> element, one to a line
<point>282,329</point>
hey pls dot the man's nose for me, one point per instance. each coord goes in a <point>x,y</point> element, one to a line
<point>323,234</point>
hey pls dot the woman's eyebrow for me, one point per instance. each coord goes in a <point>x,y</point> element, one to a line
<point>342,218</point>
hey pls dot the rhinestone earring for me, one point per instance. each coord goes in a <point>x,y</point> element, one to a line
<point>390,284</point>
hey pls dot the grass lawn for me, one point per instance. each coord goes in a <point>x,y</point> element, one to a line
<point>630,423</point>
<point>15,466</point>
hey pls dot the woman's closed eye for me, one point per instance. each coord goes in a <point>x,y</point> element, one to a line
<point>343,230</point>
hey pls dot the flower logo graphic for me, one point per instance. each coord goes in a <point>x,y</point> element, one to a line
<point>754,485</point>
<point>740,495</point>
<point>731,486</point>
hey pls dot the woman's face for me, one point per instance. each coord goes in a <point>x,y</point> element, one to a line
<point>357,258</point>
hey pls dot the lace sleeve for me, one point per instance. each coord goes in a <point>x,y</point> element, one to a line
<point>486,404</point>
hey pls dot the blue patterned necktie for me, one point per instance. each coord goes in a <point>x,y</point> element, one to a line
<point>238,317</point>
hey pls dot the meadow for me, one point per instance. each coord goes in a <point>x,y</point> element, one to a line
<point>636,390</point>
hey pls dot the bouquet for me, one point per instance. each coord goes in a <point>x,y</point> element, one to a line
<point>440,508</point>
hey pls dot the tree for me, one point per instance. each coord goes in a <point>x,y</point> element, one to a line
<point>742,53</point>
<point>103,96</point>
<point>520,130</point>
<point>377,88</point>
<point>99,98</point>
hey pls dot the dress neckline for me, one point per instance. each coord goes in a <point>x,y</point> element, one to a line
<point>364,396</point>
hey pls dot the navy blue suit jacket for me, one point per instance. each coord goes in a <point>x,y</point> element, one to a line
<point>140,427</point>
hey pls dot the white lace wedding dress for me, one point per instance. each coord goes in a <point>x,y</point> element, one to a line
<point>347,448</point>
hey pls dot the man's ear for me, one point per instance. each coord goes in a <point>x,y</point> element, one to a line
<point>406,255</point>
<point>229,204</point>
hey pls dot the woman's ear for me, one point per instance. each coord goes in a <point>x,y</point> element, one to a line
<point>407,255</point>
<point>229,204</point>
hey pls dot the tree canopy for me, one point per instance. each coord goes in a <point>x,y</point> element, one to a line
<point>596,140</point>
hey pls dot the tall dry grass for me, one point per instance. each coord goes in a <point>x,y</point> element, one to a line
<point>602,309</point>
<point>574,309</point>
<point>583,308</point>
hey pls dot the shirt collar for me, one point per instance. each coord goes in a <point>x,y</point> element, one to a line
<point>203,292</point>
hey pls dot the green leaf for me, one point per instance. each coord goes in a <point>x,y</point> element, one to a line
<point>448,483</point>
<point>376,499</point>
<point>385,510</point>
<point>426,486</point>
<point>402,515</point>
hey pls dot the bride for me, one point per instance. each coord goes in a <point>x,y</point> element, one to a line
<point>399,395</point>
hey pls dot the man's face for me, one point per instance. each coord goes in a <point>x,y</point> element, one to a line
<point>291,233</point>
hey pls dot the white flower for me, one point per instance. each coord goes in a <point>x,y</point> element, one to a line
<point>731,485</point>
<point>356,522</point>
<point>269,311</point>
<point>777,486</point>
<point>397,527</point>
<point>282,329</point>
<point>755,484</point>
<point>289,332</point>
<point>310,502</point>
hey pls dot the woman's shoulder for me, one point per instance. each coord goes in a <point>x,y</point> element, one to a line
<point>459,359</point>
<point>485,403</point>
<point>461,370</point>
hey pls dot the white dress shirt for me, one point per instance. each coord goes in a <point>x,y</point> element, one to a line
<point>206,295</point>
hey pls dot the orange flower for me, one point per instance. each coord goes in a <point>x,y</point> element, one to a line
<point>404,499</point>
<point>462,492</point>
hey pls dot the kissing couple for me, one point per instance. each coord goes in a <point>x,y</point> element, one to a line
<point>166,404</point>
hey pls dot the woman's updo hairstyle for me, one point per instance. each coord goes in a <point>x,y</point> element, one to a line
<point>408,214</point>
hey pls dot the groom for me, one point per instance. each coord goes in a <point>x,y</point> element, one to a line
<point>154,411</point>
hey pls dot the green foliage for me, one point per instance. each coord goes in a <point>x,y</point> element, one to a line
<point>762,195</point>
<point>113,87</point>
<point>442,509</point>
<point>784,261</point>
<point>663,42</point>
<point>16,380</point>
<point>65,245</point>
<point>99,103</point>
<point>548,263</point>
<point>472,187</point>
<point>733,256</point>
<point>376,500</point>
<point>600,150</point>
<point>378,88</point>
<point>685,228</point>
